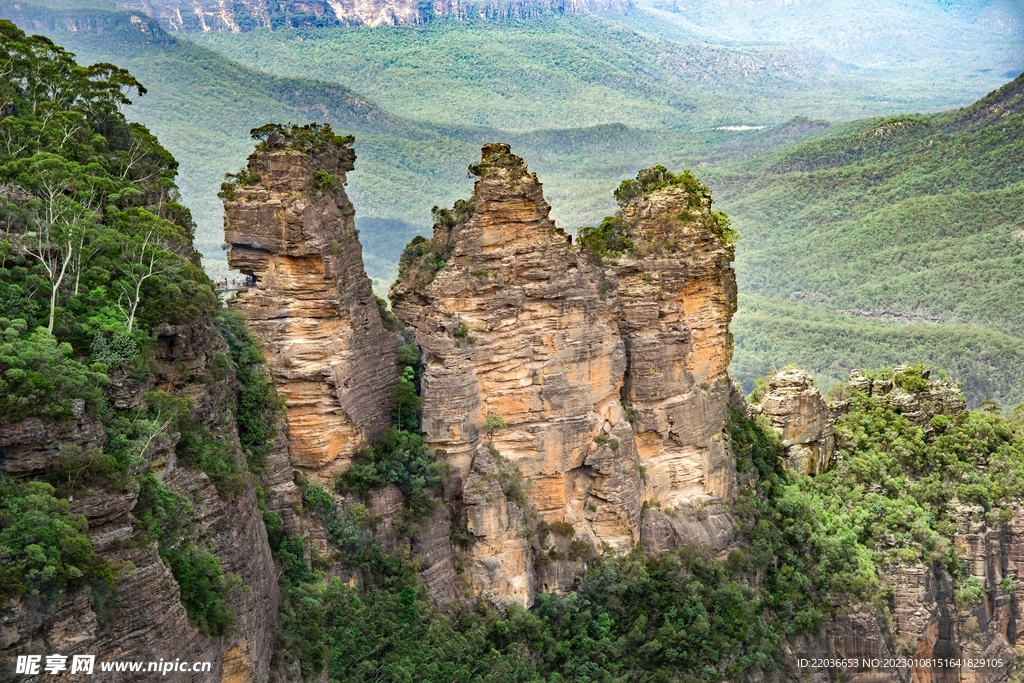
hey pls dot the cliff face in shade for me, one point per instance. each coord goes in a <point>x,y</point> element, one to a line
<point>246,15</point>
<point>148,621</point>
<point>312,307</point>
<point>519,323</point>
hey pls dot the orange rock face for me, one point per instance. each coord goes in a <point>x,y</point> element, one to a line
<point>515,321</point>
<point>291,227</point>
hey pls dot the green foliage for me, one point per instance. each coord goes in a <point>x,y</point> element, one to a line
<point>114,353</point>
<point>492,423</point>
<point>198,447</point>
<point>95,252</point>
<point>166,517</point>
<point>323,181</point>
<point>655,178</point>
<point>909,225</point>
<point>40,376</point>
<point>770,334</point>
<point>607,240</point>
<point>259,407</point>
<point>406,401</point>
<point>562,529</point>
<point>400,458</point>
<point>897,485</point>
<point>43,547</point>
<point>309,138</point>
<point>94,239</point>
<point>807,547</point>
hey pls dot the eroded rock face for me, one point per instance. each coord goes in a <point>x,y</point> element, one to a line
<point>799,414</point>
<point>515,321</point>
<point>245,15</point>
<point>148,622</point>
<point>919,405</point>
<point>312,308</point>
<point>676,295</point>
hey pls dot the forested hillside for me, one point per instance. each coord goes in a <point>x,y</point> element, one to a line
<point>110,367</point>
<point>910,226</point>
<point>137,424</point>
<point>589,99</point>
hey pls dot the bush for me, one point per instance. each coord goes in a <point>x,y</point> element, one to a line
<point>43,546</point>
<point>398,458</point>
<point>39,376</point>
<point>611,238</point>
<point>259,407</point>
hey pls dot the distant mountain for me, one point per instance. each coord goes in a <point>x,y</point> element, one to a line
<point>861,33</point>
<point>245,15</point>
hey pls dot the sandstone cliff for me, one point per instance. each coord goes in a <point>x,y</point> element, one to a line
<point>795,408</point>
<point>210,15</point>
<point>290,226</point>
<point>146,620</point>
<point>514,321</point>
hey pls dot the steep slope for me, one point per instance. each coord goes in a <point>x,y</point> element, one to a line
<point>129,520</point>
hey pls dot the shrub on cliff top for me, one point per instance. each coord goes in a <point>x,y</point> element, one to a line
<point>307,138</point>
<point>656,177</point>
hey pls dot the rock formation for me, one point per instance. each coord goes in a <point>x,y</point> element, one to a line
<point>147,621</point>
<point>797,411</point>
<point>290,227</point>
<point>246,15</point>
<point>515,321</point>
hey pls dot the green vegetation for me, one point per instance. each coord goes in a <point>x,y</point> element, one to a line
<point>635,617</point>
<point>912,220</point>
<point>771,334</point>
<point>900,488</point>
<point>400,458</point>
<point>95,251</point>
<point>612,237</point>
<point>259,406</point>
<point>43,547</point>
<point>807,548</point>
<point>166,517</point>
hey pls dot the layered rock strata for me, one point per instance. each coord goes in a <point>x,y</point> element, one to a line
<point>676,293</point>
<point>290,227</point>
<point>925,619</point>
<point>803,420</point>
<point>147,621</point>
<point>514,321</point>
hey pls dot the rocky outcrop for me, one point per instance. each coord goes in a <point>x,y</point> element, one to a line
<point>514,321</point>
<point>916,396</point>
<point>676,293</point>
<point>211,15</point>
<point>32,445</point>
<point>795,408</point>
<point>145,620</point>
<point>290,227</point>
